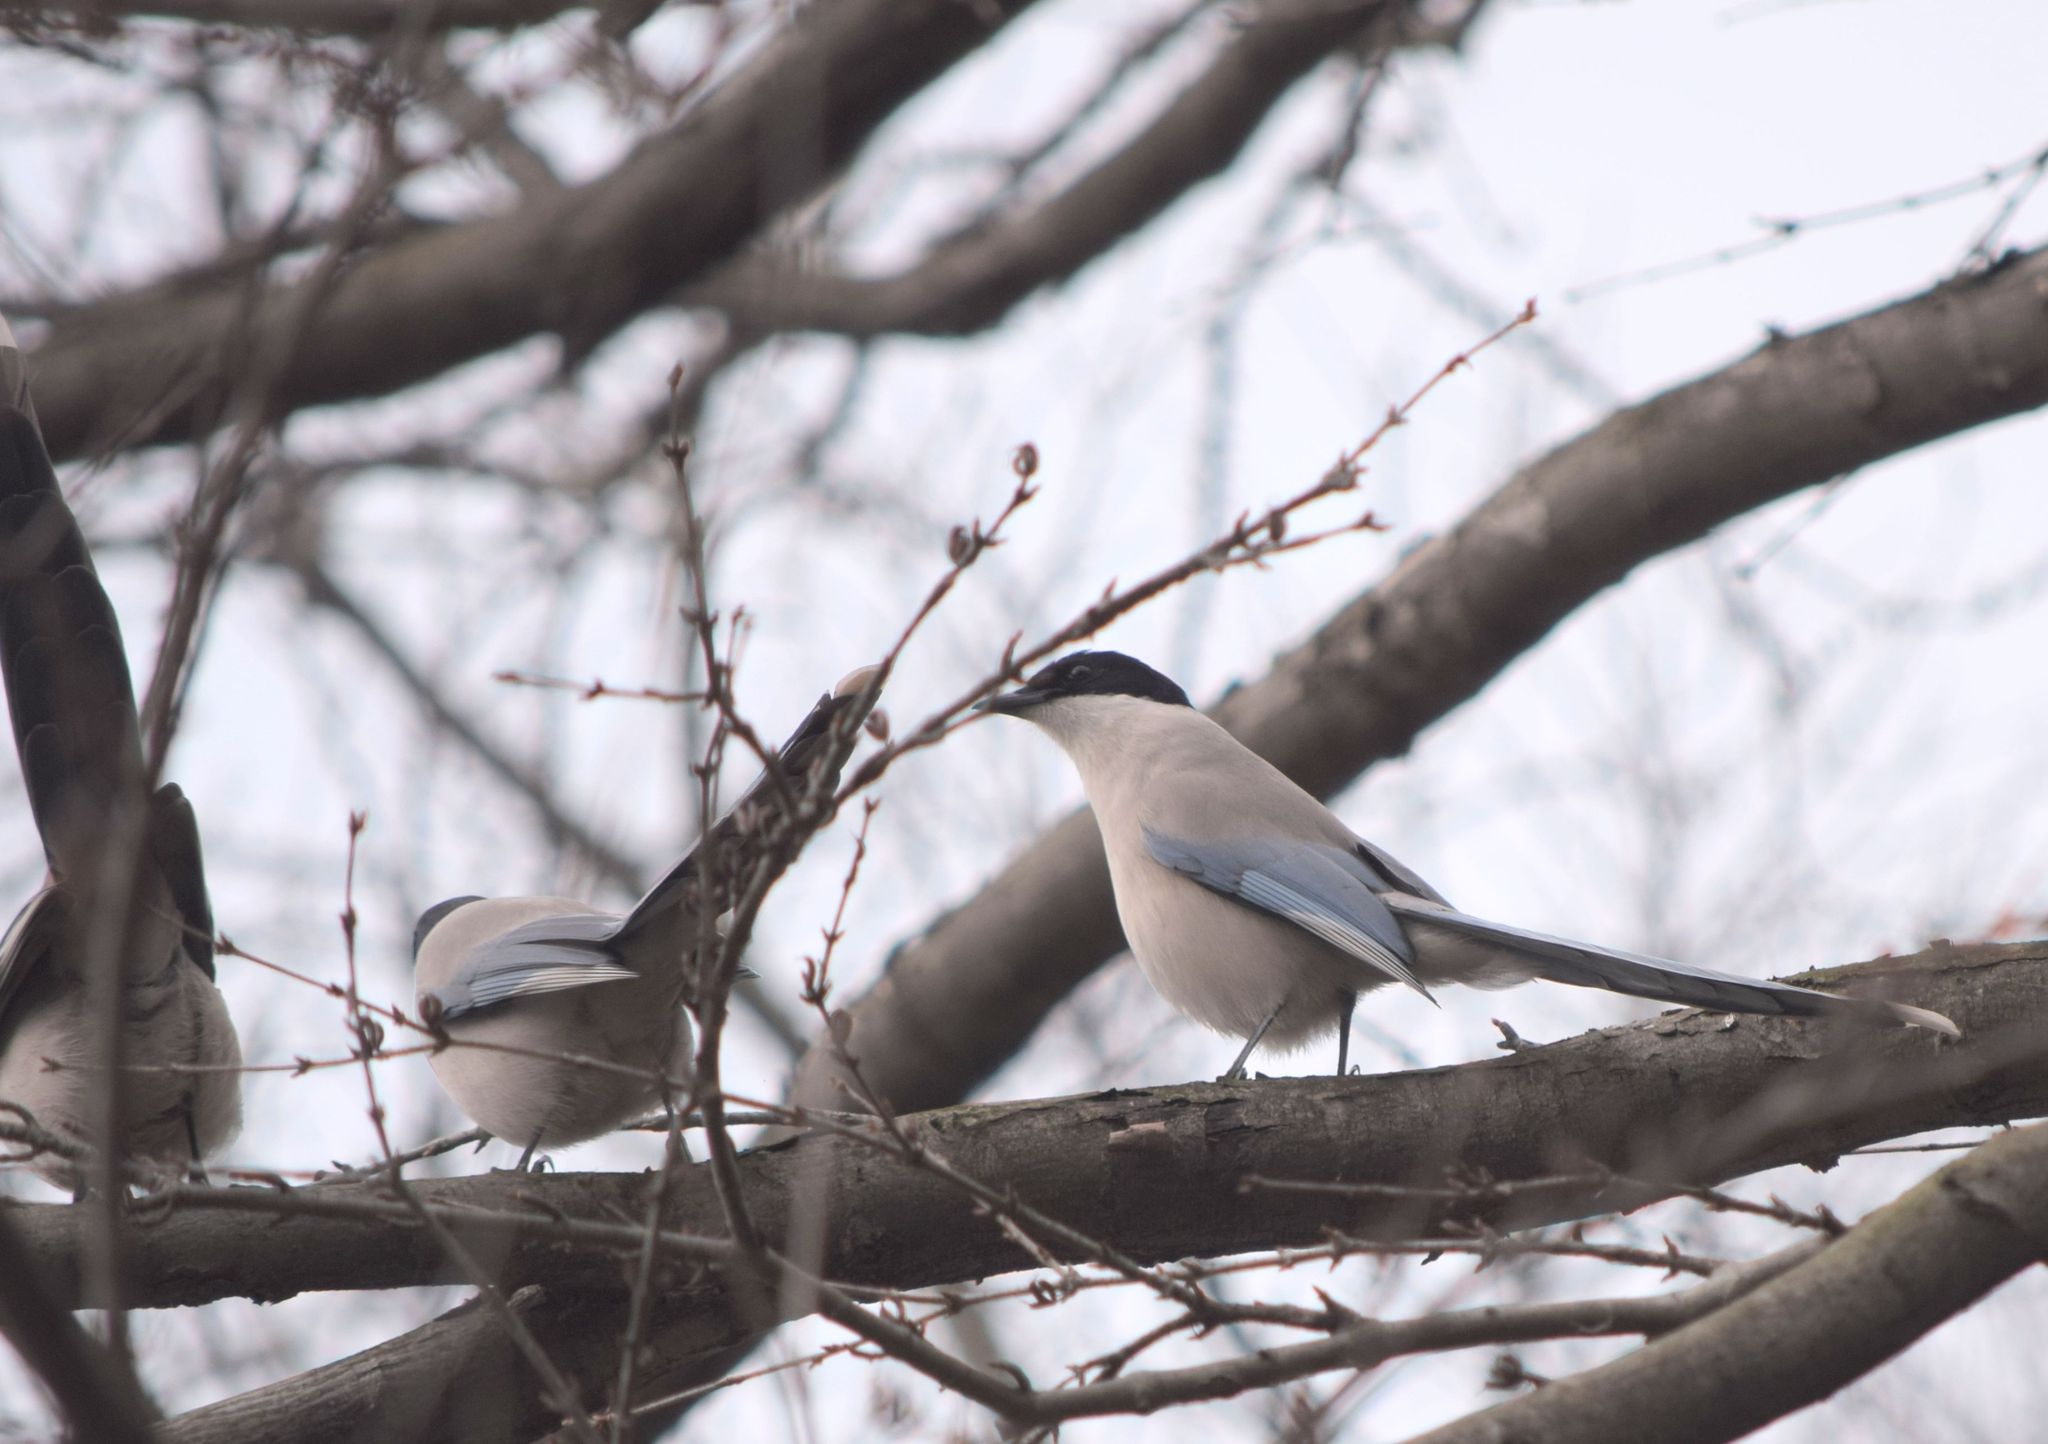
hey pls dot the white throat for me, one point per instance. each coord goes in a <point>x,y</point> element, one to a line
<point>1114,741</point>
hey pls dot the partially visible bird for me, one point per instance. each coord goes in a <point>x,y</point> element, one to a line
<point>528,986</point>
<point>1257,913</point>
<point>76,733</point>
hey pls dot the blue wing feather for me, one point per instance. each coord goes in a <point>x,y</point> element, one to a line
<point>1320,889</point>
<point>548,955</point>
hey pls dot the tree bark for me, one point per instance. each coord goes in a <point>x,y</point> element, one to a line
<point>1909,1267</point>
<point>361,19</point>
<point>1156,1173</point>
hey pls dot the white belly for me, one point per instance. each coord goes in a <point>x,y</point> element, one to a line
<point>166,1109</point>
<point>1228,966</point>
<point>543,1092</point>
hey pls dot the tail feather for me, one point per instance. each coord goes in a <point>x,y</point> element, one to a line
<point>797,758</point>
<point>69,696</point>
<point>1583,965</point>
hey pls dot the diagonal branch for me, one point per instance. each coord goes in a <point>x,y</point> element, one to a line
<point>971,282</point>
<point>92,1390</point>
<point>1897,1275</point>
<point>145,367</point>
<point>362,19</point>
<point>324,592</point>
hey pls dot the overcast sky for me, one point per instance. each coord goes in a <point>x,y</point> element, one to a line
<point>1812,738</point>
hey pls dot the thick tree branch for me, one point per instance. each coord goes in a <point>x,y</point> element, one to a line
<point>93,1389</point>
<point>362,19</point>
<point>1898,1274</point>
<point>960,1000</point>
<point>458,1380</point>
<point>151,366</point>
<point>1685,1098</point>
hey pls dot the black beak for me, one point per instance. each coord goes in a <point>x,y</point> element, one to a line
<point>1023,699</point>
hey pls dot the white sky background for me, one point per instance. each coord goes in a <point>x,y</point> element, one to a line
<point>1854,768</point>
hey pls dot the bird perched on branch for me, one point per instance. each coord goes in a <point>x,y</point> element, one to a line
<point>532,989</point>
<point>126,888</point>
<point>1257,913</point>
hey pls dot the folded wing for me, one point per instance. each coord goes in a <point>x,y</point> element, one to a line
<point>549,955</point>
<point>1319,889</point>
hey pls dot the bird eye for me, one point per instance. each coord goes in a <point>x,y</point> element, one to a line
<point>1081,673</point>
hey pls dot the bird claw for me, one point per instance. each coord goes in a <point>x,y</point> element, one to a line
<point>1510,1040</point>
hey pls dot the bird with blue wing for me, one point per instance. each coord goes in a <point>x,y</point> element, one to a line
<point>1256,912</point>
<point>563,1020</point>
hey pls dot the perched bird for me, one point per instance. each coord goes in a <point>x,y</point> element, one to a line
<point>1255,912</point>
<point>547,976</point>
<point>75,730</point>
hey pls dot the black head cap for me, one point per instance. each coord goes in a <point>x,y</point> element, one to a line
<point>432,917</point>
<point>1091,674</point>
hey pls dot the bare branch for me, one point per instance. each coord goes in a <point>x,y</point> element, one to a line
<point>323,591</point>
<point>142,367</point>
<point>971,282</point>
<point>363,19</point>
<point>1783,230</point>
<point>1900,1272</point>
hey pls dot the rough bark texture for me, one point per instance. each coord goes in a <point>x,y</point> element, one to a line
<point>961,999</point>
<point>98,1398</point>
<point>1907,1268</point>
<point>1684,1097</point>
